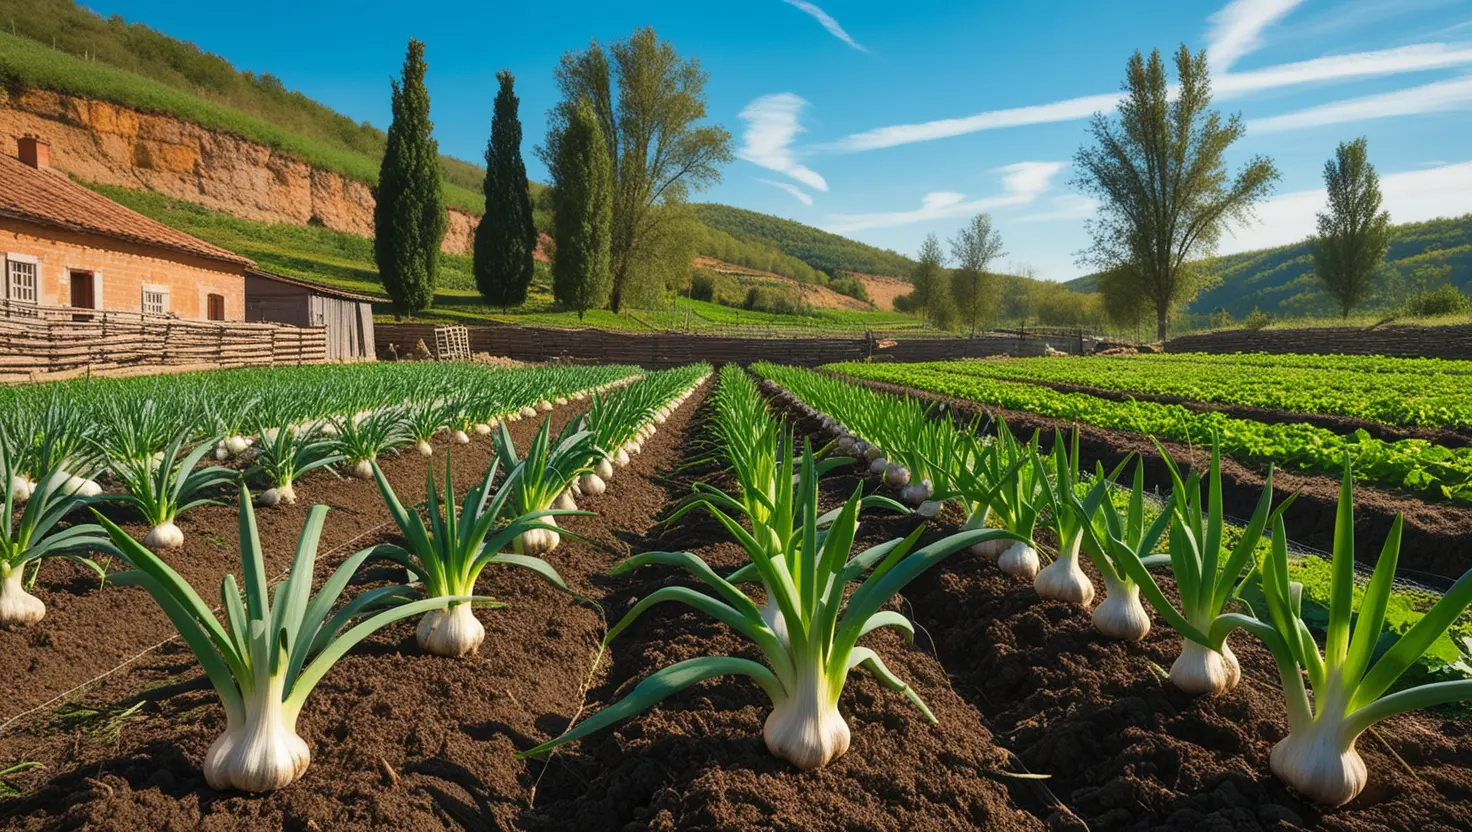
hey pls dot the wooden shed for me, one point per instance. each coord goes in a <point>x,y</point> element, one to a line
<point>348,316</point>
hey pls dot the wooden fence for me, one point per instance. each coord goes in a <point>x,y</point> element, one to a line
<point>45,343</point>
<point>654,350</point>
<point>1403,341</point>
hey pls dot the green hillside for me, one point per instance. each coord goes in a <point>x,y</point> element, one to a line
<point>1281,282</point>
<point>819,249</point>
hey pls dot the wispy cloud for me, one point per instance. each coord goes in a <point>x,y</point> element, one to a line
<point>1064,208</point>
<point>828,22</point>
<point>1022,183</point>
<point>1409,196</point>
<point>1416,58</point>
<point>1237,29</point>
<point>798,193</point>
<point>772,122</point>
<point>1455,94</point>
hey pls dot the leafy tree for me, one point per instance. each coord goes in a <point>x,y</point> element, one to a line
<point>932,285</point>
<point>582,206</point>
<point>1125,306</point>
<point>1160,176</point>
<point>649,103</point>
<point>1018,300</point>
<point>409,218</point>
<point>1354,233</point>
<point>506,236</point>
<point>973,248</point>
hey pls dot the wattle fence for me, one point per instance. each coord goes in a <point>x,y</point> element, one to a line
<point>1454,342</point>
<point>664,349</point>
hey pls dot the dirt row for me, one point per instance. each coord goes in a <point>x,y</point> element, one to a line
<point>1435,544</point>
<point>1122,748</point>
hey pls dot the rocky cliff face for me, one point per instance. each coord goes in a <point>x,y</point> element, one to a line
<point>100,142</point>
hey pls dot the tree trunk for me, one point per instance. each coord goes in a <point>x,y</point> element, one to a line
<point>1160,316</point>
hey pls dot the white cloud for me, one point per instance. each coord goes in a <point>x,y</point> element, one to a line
<point>1022,183</point>
<point>828,22</point>
<point>771,124</point>
<point>1416,58</point>
<point>1063,208</point>
<point>1429,98</point>
<point>1237,29</point>
<point>798,193</point>
<point>1409,196</point>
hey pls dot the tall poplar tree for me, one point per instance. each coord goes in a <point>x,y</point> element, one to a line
<point>506,237</point>
<point>1354,233</point>
<point>1159,173</point>
<point>409,217</point>
<point>582,208</point>
<point>973,288</point>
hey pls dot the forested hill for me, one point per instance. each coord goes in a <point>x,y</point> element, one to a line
<point>1281,282</point>
<point>821,250</point>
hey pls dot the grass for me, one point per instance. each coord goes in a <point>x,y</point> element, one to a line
<point>343,260</point>
<point>26,64</point>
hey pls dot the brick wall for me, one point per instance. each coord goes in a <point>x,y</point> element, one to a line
<point>121,269</point>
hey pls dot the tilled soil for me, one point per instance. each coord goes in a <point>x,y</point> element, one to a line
<point>1123,749</point>
<point>697,761</point>
<point>1435,542</point>
<point>399,739</point>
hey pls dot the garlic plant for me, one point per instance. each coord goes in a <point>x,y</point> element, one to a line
<point>448,555</point>
<point>32,534</point>
<point>1003,479</point>
<point>1120,615</point>
<point>360,438</point>
<point>422,421</point>
<point>271,650</point>
<point>1318,756</point>
<point>804,676</point>
<point>285,454</point>
<point>548,471</point>
<point>1063,579</point>
<point>164,485</point>
<point>1205,571</point>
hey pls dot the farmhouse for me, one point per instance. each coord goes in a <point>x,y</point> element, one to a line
<point>64,245</point>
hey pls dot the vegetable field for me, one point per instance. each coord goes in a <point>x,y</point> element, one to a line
<point>432,595</point>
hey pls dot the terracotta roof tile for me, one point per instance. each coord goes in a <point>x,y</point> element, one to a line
<point>48,197</point>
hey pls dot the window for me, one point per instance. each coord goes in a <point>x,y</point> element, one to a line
<point>21,279</point>
<point>155,300</point>
<point>215,307</point>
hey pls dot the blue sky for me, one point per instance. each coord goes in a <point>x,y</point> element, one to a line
<point>887,121</point>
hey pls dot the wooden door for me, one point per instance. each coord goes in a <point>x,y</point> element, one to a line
<point>84,293</point>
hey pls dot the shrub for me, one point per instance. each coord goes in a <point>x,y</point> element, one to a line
<point>849,286</point>
<point>1446,300</point>
<point>774,301</point>
<point>1257,319</point>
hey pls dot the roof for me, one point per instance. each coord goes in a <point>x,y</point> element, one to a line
<point>48,197</point>
<point>318,288</point>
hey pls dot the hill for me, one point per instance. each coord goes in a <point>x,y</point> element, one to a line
<point>1281,282</point>
<point>819,249</point>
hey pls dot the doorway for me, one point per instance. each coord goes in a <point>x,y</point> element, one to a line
<point>84,293</point>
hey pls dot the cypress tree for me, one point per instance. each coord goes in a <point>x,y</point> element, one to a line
<point>506,237</point>
<point>409,217</point>
<point>582,206</point>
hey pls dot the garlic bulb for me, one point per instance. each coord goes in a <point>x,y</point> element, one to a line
<point>896,475</point>
<point>482,429</point>
<point>21,488</point>
<point>164,536</point>
<point>460,437</point>
<point>604,469</point>
<point>276,496</point>
<point>424,448</point>
<point>1121,615</point>
<point>878,465</point>
<point>1019,560</point>
<point>916,493</point>
<point>544,405</point>
<point>1321,763</point>
<point>528,412</point>
<point>1063,580</point>
<point>16,605</point>
<point>362,469</point>
<point>538,542</point>
<point>621,458</point>
<point>929,509</point>
<point>452,632</point>
<point>260,750</point>
<point>806,729</point>
<point>236,445</point>
<point>873,453</point>
<point>1199,670</point>
<point>592,484</point>
<point>564,502</point>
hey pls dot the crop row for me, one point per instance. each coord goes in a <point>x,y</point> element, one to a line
<point>1003,482</point>
<point>1415,465</point>
<point>1326,361</point>
<point>1413,399</point>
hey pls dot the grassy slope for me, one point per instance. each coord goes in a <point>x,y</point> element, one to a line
<point>823,251</point>
<point>1280,281</point>
<point>346,260</point>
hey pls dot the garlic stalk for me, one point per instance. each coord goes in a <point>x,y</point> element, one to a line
<point>449,554</point>
<point>272,648</point>
<point>1063,580</point>
<point>165,485</point>
<point>803,676</point>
